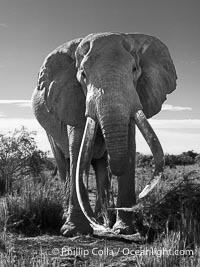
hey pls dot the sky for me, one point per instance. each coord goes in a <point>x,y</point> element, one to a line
<point>29,30</point>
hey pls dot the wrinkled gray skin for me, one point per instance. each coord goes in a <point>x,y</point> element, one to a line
<point>107,77</point>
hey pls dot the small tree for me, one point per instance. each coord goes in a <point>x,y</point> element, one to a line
<point>19,156</point>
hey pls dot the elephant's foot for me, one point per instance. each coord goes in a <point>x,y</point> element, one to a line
<point>76,225</point>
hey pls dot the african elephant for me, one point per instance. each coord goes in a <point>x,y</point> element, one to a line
<point>91,93</point>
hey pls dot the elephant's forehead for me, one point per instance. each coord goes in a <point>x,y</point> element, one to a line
<point>102,39</point>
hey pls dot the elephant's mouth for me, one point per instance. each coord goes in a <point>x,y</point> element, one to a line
<point>86,153</point>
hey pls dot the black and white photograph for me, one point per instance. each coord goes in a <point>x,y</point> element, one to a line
<point>99,133</point>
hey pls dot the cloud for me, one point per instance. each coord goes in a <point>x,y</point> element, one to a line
<point>2,114</point>
<point>24,105</point>
<point>19,103</point>
<point>174,108</point>
<point>3,25</point>
<point>190,62</point>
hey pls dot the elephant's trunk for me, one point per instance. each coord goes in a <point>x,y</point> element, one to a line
<point>116,139</point>
<point>113,115</point>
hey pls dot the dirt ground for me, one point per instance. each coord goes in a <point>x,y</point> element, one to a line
<point>76,251</point>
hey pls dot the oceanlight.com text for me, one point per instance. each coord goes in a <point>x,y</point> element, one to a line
<point>96,251</point>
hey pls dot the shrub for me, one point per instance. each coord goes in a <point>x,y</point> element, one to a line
<point>19,157</point>
<point>143,160</point>
<point>37,209</point>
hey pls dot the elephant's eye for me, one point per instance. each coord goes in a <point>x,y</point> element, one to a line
<point>134,68</point>
<point>83,74</point>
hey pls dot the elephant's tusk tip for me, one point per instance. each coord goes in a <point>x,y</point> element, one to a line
<point>150,186</point>
<point>144,192</point>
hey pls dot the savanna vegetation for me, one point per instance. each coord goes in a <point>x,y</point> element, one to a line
<point>32,206</point>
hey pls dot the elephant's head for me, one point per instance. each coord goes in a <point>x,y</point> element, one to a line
<point>110,79</point>
<point>120,75</point>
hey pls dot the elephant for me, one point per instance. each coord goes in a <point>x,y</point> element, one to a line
<point>91,94</point>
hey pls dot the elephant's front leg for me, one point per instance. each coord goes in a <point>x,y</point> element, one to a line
<point>76,221</point>
<point>103,188</point>
<point>126,188</point>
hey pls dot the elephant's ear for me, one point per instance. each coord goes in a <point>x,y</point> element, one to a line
<point>158,76</point>
<point>63,95</point>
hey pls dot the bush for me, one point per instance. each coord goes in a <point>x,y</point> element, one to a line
<point>143,160</point>
<point>36,210</point>
<point>19,157</point>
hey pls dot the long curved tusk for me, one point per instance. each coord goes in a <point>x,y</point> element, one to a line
<point>156,149</point>
<point>83,163</point>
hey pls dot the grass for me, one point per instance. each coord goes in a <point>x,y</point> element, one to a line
<point>168,220</point>
<point>36,209</point>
